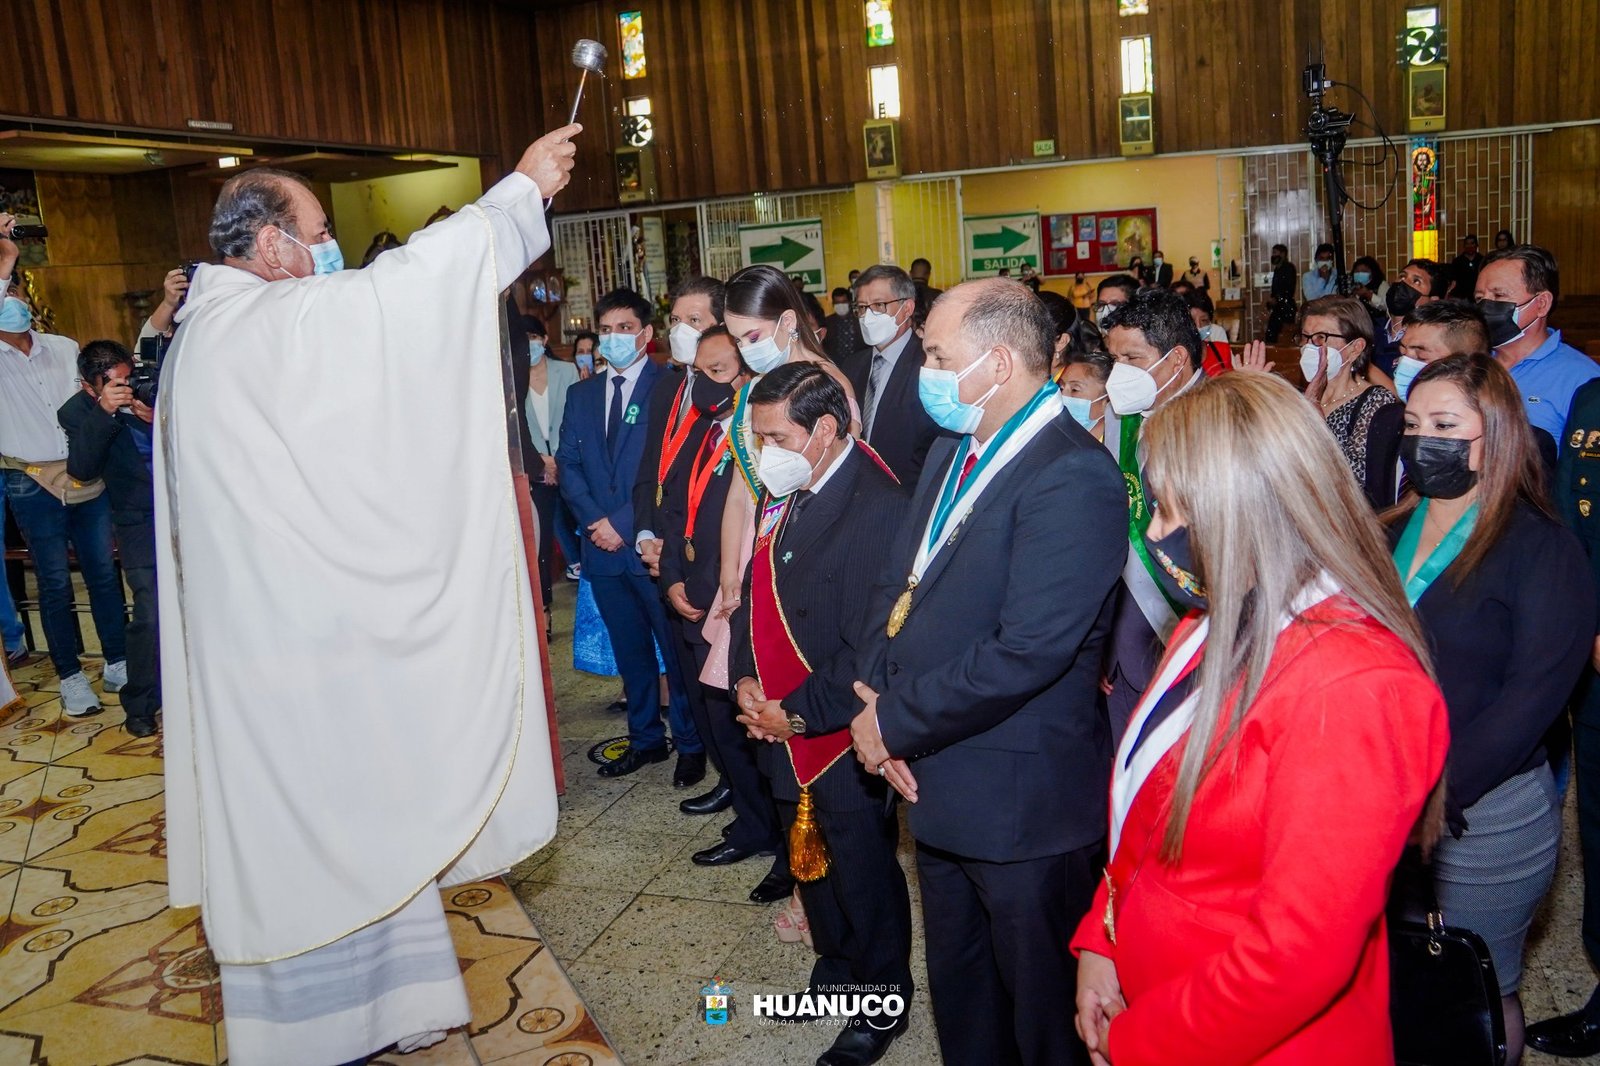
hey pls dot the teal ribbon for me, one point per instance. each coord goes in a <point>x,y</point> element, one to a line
<point>1405,553</point>
<point>952,480</point>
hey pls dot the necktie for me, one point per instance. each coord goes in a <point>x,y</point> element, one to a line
<point>966,468</point>
<point>614,422</point>
<point>801,498</point>
<point>874,390</point>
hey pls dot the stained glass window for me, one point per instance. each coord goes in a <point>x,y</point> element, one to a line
<point>885,86</point>
<point>631,25</point>
<point>880,23</point>
<point>1138,74</point>
<point>1133,7</point>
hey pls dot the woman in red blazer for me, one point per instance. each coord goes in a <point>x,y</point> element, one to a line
<point>1267,783</point>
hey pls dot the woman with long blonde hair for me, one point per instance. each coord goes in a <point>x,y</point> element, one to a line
<point>1276,767</point>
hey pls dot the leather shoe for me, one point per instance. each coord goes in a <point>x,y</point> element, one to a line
<point>632,760</point>
<point>140,727</point>
<point>718,799</point>
<point>860,1045</point>
<point>778,884</point>
<point>691,769</point>
<point>1572,1036</point>
<point>725,854</point>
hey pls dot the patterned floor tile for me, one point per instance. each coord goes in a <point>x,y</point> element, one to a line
<point>80,812</point>
<point>485,920</point>
<point>47,894</point>
<point>19,806</point>
<point>104,747</point>
<point>454,1050</point>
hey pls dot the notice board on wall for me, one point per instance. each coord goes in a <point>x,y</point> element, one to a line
<point>1097,242</point>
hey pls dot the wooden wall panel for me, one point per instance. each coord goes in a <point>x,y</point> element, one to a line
<point>1566,205</point>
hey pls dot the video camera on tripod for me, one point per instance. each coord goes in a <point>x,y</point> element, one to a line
<point>1326,129</point>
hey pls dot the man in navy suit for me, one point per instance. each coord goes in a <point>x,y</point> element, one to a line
<point>884,371</point>
<point>603,439</point>
<point>981,679</point>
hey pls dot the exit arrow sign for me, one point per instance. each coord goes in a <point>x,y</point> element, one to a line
<point>787,251</point>
<point>1007,240</point>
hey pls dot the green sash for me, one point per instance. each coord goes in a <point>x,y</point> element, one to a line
<point>1138,512</point>
<point>1405,553</point>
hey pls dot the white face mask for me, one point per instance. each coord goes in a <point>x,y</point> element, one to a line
<point>1310,353</point>
<point>878,329</point>
<point>764,355</point>
<point>841,309</point>
<point>683,339</point>
<point>783,471</point>
<point>1132,389</point>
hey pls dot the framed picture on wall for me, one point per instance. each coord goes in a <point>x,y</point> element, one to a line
<point>882,139</point>
<point>1425,98</point>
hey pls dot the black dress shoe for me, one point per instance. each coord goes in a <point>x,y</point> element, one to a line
<point>860,1045</point>
<point>719,798</point>
<point>1571,1036</point>
<point>140,727</point>
<point>691,769</point>
<point>778,884</point>
<point>632,760</point>
<point>617,706</point>
<point>726,854</point>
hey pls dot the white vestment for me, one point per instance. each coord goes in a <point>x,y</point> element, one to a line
<point>351,669</point>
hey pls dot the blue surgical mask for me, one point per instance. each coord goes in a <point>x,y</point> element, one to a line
<point>940,393</point>
<point>1362,277</point>
<point>1406,369</point>
<point>1080,408</point>
<point>15,316</point>
<point>621,350</point>
<point>535,352</point>
<point>585,361</point>
<point>326,258</point>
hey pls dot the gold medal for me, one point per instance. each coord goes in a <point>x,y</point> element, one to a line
<point>902,607</point>
<point>688,549</point>
<point>658,494</point>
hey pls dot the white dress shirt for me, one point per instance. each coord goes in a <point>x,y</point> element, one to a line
<point>32,388</point>
<point>630,381</point>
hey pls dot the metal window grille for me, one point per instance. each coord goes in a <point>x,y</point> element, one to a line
<point>927,225</point>
<point>595,254</point>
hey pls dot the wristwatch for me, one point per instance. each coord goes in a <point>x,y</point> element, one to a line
<point>796,723</point>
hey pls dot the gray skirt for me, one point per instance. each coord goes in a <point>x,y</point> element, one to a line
<point>1492,879</point>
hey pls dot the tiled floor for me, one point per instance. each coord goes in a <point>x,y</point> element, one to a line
<point>95,970</point>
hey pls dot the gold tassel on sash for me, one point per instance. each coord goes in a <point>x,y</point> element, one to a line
<point>808,852</point>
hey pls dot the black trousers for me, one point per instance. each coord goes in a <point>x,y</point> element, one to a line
<point>860,913</point>
<point>731,751</point>
<point>1586,765</point>
<point>1003,982</point>
<point>142,698</point>
<point>546,502</point>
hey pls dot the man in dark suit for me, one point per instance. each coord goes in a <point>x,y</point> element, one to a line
<point>843,334</point>
<point>796,635</point>
<point>981,684</point>
<point>884,371</point>
<point>921,274</point>
<point>1160,271</point>
<point>691,558</point>
<point>603,435</point>
<point>109,435</point>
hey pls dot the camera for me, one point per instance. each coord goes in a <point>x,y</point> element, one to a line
<point>20,232</point>
<point>146,374</point>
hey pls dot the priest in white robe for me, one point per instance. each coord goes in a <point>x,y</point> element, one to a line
<point>353,708</point>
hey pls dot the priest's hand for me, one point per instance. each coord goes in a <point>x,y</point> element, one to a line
<point>767,722</point>
<point>604,536</point>
<point>680,601</point>
<point>548,161</point>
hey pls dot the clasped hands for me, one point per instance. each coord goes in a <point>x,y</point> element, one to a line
<point>763,719</point>
<point>1099,1001</point>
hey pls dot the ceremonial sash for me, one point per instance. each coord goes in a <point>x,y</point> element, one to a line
<point>1138,511</point>
<point>1405,553</point>
<point>742,441</point>
<point>672,442</point>
<point>701,471</point>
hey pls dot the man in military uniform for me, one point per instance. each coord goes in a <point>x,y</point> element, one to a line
<point>1577,494</point>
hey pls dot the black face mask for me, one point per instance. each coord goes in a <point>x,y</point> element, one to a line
<point>1401,298</point>
<point>713,398</point>
<point>1277,260</point>
<point>1176,571</point>
<point>1501,315</point>
<point>1438,467</point>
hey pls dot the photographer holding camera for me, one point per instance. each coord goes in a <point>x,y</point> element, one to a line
<point>109,435</point>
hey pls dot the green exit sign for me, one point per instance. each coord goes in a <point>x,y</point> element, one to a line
<point>1044,147</point>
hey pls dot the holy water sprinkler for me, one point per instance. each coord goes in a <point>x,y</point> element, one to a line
<point>587,56</point>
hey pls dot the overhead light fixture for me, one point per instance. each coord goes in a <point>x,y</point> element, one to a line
<point>155,157</point>
<point>204,124</point>
<point>228,161</point>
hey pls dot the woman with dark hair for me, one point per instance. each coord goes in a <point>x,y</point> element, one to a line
<point>1503,592</point>
<point>1335,338</point>
<point>1062,316</point>
<point>1276,765</point>
<point>1083,386</point>
<point>1504,241</point>
<point>1370,287</point>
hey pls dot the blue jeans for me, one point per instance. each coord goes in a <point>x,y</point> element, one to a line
<point>633,612</point>
<point>48,525</point>
<point>10,625</point>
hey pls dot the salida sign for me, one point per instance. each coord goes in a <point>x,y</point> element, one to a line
<point>996,242</point>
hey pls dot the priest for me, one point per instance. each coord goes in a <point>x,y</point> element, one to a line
<point>354,715</point>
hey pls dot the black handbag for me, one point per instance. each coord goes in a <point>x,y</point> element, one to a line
<point>1444,999</point>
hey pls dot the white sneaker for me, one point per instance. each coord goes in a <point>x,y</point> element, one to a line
<point>115,678</point>
<point>77,697</point>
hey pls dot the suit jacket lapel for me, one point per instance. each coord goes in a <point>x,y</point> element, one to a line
<point>640,401</point>
<point>901,388</point>
<point>828,505</point>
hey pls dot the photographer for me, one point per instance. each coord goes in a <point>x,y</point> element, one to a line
<point>174,287</point>
<point>109,433</point>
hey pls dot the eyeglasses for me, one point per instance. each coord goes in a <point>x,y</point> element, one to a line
<point>880,306</point>
<point>1319,339</point>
